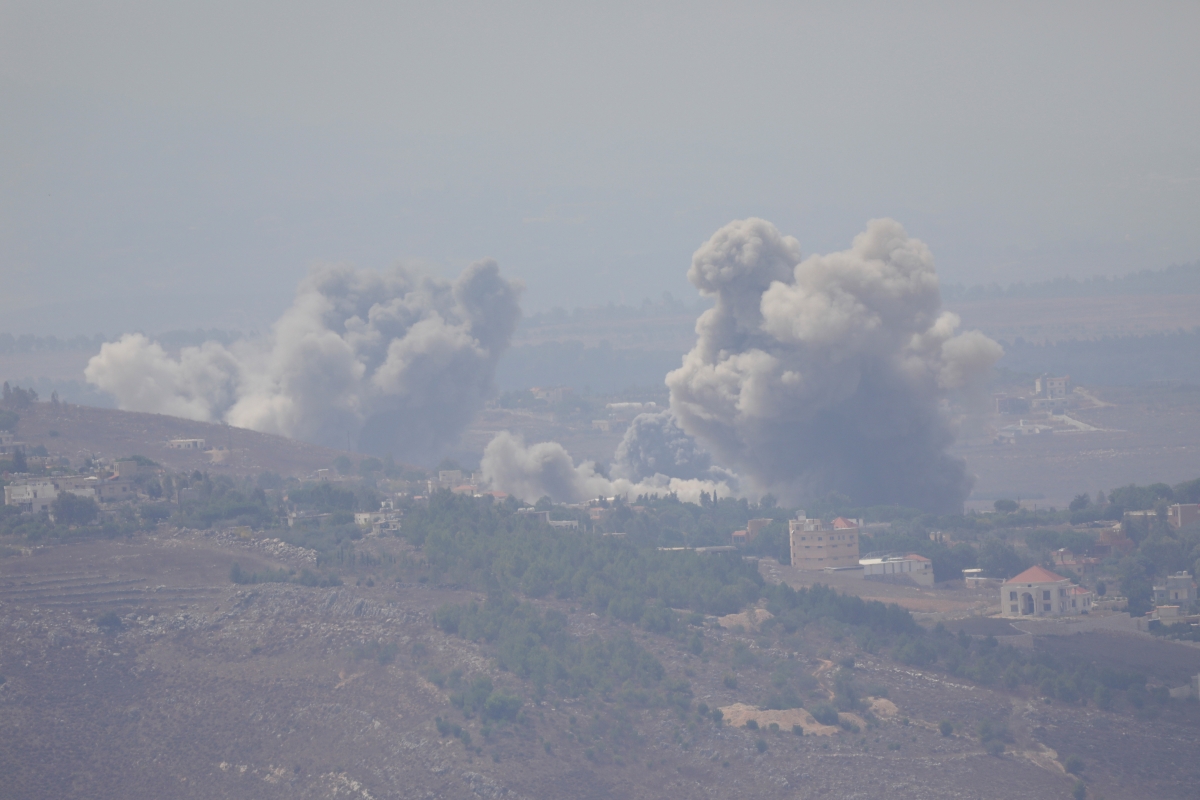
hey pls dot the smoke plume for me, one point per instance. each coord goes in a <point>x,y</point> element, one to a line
<point>398,362</point>
<point>825,374</point>
<point>546,469</point>
<point>654,445</point>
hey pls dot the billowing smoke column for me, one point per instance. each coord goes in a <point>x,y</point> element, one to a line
<point>808,376</point>
<point>654,445</point>
<point>399,362</point>
<point>825,374</point>
<point>547,470</point>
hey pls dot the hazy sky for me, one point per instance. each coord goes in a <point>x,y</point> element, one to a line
<point>167,165</point>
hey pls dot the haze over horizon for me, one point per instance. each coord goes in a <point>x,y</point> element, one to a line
<point>172,167</point>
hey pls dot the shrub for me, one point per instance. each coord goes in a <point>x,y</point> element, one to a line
<point>71,509</point>
<point>752,724</point>
<point>761,744</point>
<point>109,622</point>
<point>945,728</point>
<point>798,729</point>
<point>825,714</point>
<point>500,705</point>
<point>1080,791</point>
<point>730,682</point>
<point>1073,765</point>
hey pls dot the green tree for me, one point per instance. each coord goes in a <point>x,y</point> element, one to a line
<point>71,509</point>
<point>1005,506</point>
<point>1000,560</point>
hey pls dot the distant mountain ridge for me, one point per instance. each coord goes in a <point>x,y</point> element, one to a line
<point>1175,279</point>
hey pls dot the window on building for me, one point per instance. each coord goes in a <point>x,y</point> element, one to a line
<point>1046,607</point>
<point>1012,595</point>
<point>1046,596</point>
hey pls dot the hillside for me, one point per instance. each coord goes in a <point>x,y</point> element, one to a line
<point>142,654</point>
<point>75,431</point>
<point>482,653</point>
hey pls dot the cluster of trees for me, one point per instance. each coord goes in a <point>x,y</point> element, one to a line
<point>984,661</point>
<point>16,397</point>
<point>536,647</point>
<point>473,543</point>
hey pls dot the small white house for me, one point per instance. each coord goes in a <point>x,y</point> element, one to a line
<point>1038,592</point>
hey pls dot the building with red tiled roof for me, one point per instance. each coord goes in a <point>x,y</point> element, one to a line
<point>1038,592</point>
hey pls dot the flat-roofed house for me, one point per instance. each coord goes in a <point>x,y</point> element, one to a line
<point>819,545</point>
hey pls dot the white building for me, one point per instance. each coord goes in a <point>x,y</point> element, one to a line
<point>1038,592</point>
<point>186,444</point>
<point>911,568</point>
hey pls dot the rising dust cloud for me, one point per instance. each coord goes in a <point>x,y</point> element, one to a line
<point>808,376</point>
<point>396,362</point>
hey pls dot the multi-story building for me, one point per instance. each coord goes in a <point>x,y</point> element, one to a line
<point>819,545</point>
<point>1051,393</point>
<point>1177,590</point>
<point>1182,515</point>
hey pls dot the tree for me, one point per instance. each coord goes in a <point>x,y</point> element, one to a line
<point>1080,502</point>
<point>1006,506</point>
<point>8,420</point>
<point>71,509</point>
<point>18,462</point>
<point>1000,560</point>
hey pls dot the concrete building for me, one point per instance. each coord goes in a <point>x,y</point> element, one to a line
<point>37,494</point>
<point>34,495</point>
<point>1177,590</point>
<point>1051,393</point>
<point>908,569</point>
<point>819,545</point>
<point>186,444</point>
<point>1081,566</point>
<point>1182,515</point>
<point>1038,592</point>
<point>1052,388</point>
<point>1006,404</point>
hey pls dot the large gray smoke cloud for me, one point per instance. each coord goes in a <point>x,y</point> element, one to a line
<point>826,373</point>
<point>654,445</point>
<point>397,361</point>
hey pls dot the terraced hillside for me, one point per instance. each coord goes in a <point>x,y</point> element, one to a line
<point>137,669</point>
